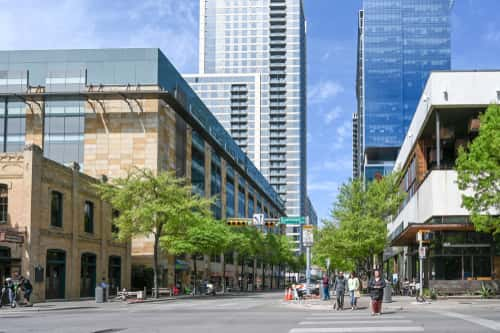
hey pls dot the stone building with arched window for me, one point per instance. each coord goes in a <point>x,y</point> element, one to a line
<point>55,230</point>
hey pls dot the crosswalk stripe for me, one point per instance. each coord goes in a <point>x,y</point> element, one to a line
<point>364,329</point>
<point>365,316</point>
<point>357,322</point>
<point>491,324</point>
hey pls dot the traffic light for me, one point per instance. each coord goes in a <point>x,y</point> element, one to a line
<point>237,222</point>
<point>269,224</point>
<point>425,236</point>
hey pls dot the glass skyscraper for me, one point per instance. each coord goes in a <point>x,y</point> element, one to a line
<point>399,43</point>
<point>253,77</point>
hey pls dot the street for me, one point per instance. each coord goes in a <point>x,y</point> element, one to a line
<point>260,313</point>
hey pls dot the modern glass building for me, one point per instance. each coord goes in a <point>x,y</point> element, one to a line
<point>399,43</point>
<point>253,76</point>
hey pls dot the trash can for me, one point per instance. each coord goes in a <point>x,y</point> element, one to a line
<point>387,293</point>
<point>99,295</point>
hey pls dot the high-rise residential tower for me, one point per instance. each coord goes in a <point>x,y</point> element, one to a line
<point>399,43</point>
<point>253,77</point>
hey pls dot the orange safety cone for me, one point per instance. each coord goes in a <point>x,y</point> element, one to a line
<point>290,295</point>
<point>286,295</point>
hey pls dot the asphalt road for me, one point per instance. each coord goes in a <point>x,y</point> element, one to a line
<point>260,313</point>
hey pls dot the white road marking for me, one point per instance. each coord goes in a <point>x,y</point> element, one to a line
<point>338,322</point>
<point>365,329</point>
<point>365,316</point>
<point>491,324</point>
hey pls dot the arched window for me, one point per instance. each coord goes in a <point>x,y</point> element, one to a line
<point>4,203</point>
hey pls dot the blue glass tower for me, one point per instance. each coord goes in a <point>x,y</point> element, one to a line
<point>399,43</point>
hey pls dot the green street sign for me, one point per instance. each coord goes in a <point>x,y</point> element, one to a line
<point>293,220</point>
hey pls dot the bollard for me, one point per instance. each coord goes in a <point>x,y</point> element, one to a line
<point>387,293</point>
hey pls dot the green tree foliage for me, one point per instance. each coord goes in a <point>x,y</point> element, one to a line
<point>154,206</point>
<point>358,228</point>
<point>207,236</point>
<point>478,169</point>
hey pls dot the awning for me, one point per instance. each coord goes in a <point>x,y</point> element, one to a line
<point>409,235</point>
<point>181,265</point>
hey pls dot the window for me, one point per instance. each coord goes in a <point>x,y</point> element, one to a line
<point>114,228</point>
<point>56,209</point>
<point>4,203</point>
<point>89,217</point>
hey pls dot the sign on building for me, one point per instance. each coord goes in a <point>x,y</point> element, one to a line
<point>308,235</point>
<point>258,219</point>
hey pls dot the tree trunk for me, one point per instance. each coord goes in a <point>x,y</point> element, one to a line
<point>223,273</point>
<point>241,274</point>
<point>263,275</point>
<point>155,264</point>
<point>253,274</point>
<point>195,267</point>
<point>272,275</point>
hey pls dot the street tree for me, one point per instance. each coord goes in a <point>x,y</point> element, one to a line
<point>154,205</point>
<point>206,236</point>
<point>478,168</point>
<point>358,227</point>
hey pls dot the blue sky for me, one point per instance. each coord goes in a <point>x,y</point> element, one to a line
<point>172,25</point>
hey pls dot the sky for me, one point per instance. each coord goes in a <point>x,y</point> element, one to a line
<point>172,25</point>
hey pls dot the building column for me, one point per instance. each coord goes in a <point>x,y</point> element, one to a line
<point>223,192</point>
<point>73,264</point>
<point>438,141</point>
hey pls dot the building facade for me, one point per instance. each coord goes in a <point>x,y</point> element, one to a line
<point>55,230</point>
<point>399,43</point>
<point>265,38</point>
<point>112,110</point>
<point>446,118</point>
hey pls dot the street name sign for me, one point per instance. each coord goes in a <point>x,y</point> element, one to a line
<point>293,220</point>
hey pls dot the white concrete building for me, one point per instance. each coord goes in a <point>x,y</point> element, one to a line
<point>445,119</point>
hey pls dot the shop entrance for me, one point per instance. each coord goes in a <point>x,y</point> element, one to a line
<point>88,275</point>
<point>114,272</point>
<point>55,275</point>
<point>4,264</point>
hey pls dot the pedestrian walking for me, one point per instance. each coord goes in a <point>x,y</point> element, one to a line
<point>376,288</point>
<point>27,289</point>
<point>354,285</point>
<point>326,287</point>
<point>340,286</point>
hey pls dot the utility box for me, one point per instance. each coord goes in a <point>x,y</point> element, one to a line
<point>99,295</point>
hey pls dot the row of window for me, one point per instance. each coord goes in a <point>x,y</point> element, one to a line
<point>56,213</point>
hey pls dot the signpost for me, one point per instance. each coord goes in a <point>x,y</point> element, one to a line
<point>423,236</point>
<point>307,241</point>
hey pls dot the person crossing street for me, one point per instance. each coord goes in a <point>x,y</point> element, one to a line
<point>376,287</point>
<point>354,286</point>
<point>340,286</point>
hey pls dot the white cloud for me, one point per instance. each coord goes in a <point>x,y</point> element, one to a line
<point>333,114</point>
<point>167,24</point>
<point>323,186</point>
<point>324,90</point>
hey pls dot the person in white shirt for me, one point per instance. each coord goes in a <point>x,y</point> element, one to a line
<point>353,285</point>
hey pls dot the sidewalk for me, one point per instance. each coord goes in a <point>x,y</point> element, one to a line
<point>114,302</point>
<point>398,304</point>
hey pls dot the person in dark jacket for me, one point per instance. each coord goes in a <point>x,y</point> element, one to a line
<point>340,286</point>
<point>27,288</point>
<point>376,288</point>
